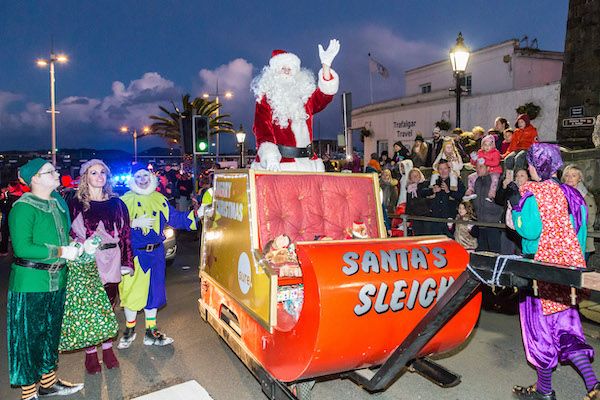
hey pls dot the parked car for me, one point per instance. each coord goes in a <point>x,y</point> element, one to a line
<point>170,244</point>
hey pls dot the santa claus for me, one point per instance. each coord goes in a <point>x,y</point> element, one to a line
<point>287,96</point>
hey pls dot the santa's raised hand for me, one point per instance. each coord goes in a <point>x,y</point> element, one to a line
<point>328,55</point>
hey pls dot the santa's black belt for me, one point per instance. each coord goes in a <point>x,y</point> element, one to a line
<point>107,246</point>
<point>150,247</point>
<point>47,267</point>
<point>295,152</point>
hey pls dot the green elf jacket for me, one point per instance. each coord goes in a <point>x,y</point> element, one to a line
<point>37,229</point>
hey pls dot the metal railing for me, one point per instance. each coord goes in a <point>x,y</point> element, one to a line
<point>406,217</point>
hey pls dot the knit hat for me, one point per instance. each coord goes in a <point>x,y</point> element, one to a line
<point>489,138</point>
<point>27,171</point>
<point>92,162</point>
<point>419,138</point>
<point>525,119</point>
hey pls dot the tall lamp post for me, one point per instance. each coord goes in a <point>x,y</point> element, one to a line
<point>42,62</point>
<point>459,57</point>
<point>228,94</point>
<point>241,138</point>
<point>145,130</point>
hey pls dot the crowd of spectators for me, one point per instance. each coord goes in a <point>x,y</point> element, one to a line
<point>471,176</point>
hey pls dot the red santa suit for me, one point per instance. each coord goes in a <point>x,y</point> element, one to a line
<point>287,145</point>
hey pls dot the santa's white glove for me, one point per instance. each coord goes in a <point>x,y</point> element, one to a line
<point>70,253</point>
<point>270,164</point>
<point>126,271</point>
<point>328,55</point>
<point>142,222</point>
<point>90,246</point>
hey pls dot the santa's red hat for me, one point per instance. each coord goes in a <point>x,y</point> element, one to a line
<point>282,58</point>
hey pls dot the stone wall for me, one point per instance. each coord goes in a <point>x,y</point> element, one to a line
<point>580,78</point>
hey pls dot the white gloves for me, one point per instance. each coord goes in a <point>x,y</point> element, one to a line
<point>143,222</point>
<point>270,164</point>
<point>70,253</point>
<point>328,55</point>
<point>91,245</point>
<point>473,156</point>
<point>126,271</point>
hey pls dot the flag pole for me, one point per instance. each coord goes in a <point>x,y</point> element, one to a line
<point>370,79</point>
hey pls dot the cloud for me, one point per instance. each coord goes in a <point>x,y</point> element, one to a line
<point>85,121</point>
<point>394,51</point>
<point>234,76</point>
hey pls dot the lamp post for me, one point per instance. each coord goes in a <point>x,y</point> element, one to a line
<point>42,62</point>
<point>459,57</point>
<point>228,94</point>
<point>241,137</point>
<point>145,130</point>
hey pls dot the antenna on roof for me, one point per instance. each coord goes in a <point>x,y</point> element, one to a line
<point>524,39</point>
<point>534,44</point>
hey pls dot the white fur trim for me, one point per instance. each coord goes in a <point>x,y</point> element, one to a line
<point>268,152</point>
<point>285,60</point>
<point>301,164</point>
<point>137,190</point>
<point>301,133</point>
<point>329,87</point>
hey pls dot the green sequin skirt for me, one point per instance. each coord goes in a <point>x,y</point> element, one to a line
<point>89,318</point>
<point>33,324</point>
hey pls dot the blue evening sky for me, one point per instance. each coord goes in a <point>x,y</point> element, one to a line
<point>126,57</point>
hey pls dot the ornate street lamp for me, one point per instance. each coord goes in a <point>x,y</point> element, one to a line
<point>459,58</point>
<point>241,138</point>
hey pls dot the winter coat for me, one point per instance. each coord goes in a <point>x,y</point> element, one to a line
<point>443,205</point>
<point>522,139</point>
<point>486,211</point>
<point>492,160</point>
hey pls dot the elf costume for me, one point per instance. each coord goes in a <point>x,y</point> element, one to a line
<point>149,212</point>
<point>551,218</point>
<point>39,229</point>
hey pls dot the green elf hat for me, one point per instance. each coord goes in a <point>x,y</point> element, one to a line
<point>27,171</point>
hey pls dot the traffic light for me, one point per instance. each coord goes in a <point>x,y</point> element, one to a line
<point>201,134</point>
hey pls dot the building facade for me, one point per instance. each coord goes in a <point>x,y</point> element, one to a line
<point>500,78</point>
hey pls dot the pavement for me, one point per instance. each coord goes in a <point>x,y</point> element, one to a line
<point>490,362</point>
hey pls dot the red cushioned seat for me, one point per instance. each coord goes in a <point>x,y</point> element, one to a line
<point>305,206</point>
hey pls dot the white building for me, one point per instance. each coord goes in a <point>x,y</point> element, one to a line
<point>501,78</point>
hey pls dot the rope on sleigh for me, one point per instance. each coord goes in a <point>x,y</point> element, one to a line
<point>499,266</point>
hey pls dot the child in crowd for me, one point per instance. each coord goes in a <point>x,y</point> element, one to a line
<point>508,133</point>
<point>465,234</point>
<point>523,137</point>
<point>491,157</point>
<point>451,154</point>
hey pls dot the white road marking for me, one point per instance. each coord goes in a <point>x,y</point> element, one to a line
<point>190,390</point>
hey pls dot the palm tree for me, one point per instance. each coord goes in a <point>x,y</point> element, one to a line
<point>168,125</point>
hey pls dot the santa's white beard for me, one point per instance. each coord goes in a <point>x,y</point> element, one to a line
<point>286,95</point>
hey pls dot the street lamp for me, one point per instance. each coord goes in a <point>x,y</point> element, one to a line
<point>42,62</point>
<point>145,130</point>
<point>459,57</point>
<point>228,95</point>
<point>241,137</point>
